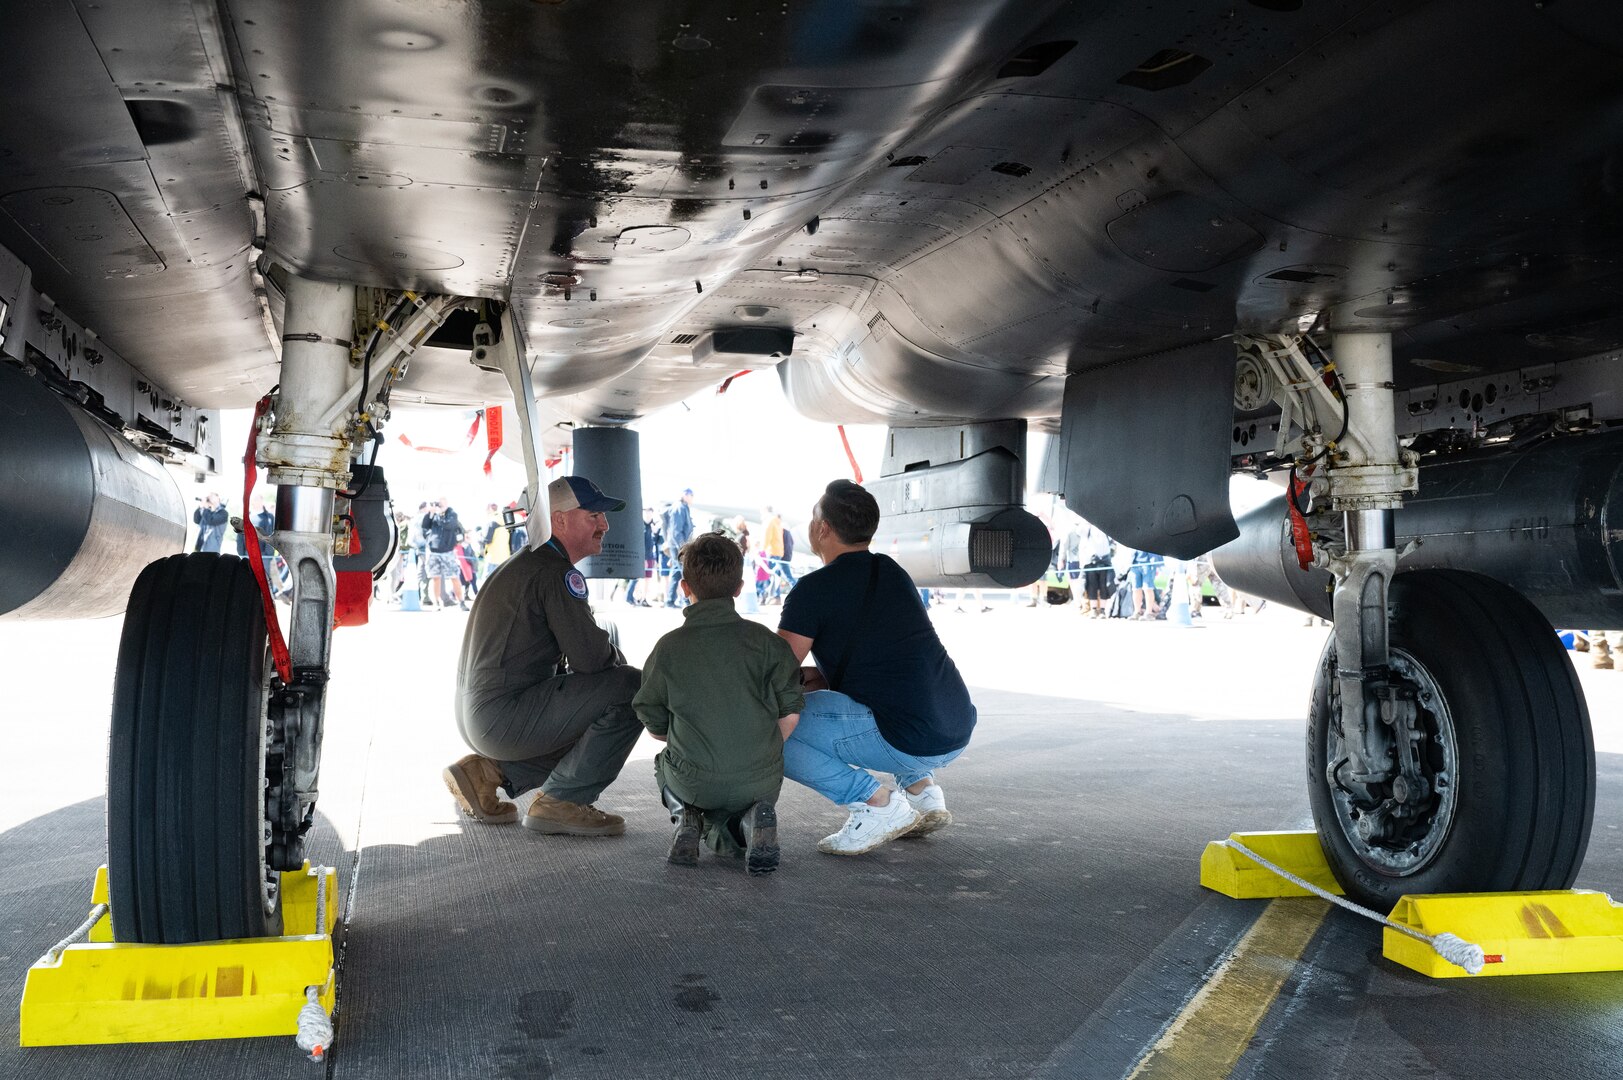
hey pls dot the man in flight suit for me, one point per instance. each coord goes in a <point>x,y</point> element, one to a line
<point>543,692</point>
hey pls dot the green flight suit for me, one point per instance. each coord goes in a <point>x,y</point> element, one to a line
<point>715,688</point>
<point>542,689</point>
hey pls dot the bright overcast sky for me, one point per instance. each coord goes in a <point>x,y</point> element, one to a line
<point>748,448</point>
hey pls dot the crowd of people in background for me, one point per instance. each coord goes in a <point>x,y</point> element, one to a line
<point>218,531</point>
<point>443,561</point>
<point>768,573</point>
<point>1109,580</point>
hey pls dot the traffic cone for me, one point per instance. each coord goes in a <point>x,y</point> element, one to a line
<point>1178,614</point>
<point>410,598</point>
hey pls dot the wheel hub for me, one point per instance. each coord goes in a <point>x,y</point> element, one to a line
<point>293,734</point>
<point>270,881</point>
<point>1398,819</point>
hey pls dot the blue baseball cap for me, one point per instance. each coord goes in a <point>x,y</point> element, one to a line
<point>570,492</point>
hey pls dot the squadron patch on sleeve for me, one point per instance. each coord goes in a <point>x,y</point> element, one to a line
<point>576,583</point>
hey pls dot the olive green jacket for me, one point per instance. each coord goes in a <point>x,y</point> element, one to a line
<point>715,688</point>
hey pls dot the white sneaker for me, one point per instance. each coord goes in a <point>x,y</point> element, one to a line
<point>870,826</point>
<point>931,804</point>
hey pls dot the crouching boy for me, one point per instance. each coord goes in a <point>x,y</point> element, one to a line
<point>722,694</point>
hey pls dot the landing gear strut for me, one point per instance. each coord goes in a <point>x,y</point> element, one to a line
<point>307,455</point>
<point>1449,747</point>
<point>216,737</point>
<point>1488,772</point>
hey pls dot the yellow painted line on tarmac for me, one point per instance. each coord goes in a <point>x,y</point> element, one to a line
<point>1207,1038</point>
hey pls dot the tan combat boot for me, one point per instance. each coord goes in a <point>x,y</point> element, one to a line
<point>1603,654</point>
<point>473,781</point>
<point>554,817</point>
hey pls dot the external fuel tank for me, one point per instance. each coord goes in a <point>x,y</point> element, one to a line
<point>1547,520</point>
<point>84,510</point>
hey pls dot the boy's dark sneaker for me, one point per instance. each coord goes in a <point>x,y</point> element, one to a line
<point>760,828</point>
<point>685,842</point>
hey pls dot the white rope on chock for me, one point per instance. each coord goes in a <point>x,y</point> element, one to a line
<point>316,1033</point>
<point>54,953</point>
<point>315,1026</point>
<point>1456,950</point>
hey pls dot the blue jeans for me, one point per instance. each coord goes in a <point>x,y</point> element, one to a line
<point>835,743</point>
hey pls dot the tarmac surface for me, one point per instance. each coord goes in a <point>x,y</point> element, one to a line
<point>1056,929</point>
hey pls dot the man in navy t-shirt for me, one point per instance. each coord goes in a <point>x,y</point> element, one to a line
<point>885,694</point>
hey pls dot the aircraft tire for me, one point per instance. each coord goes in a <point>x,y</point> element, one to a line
<point>1507,733</point>
<point>186,758</point>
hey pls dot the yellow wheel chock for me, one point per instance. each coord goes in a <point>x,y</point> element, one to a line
<point>101,991</point>
<point>1519,933</point>
<point>1224,870</point>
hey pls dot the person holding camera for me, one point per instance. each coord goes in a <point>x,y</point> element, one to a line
<point>210,519</point>
<point>443,531</point>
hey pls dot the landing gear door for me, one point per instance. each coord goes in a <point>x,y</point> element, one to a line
<point>1145,449</point>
